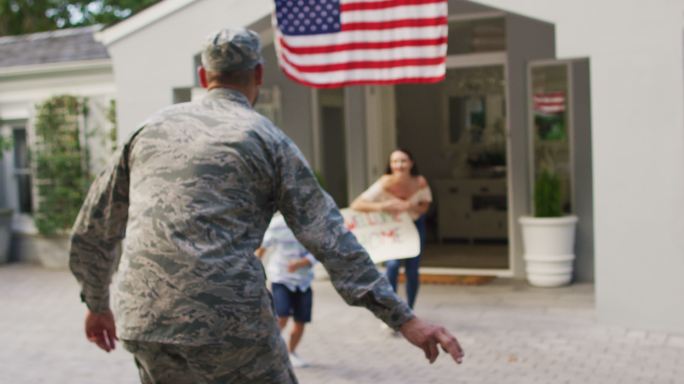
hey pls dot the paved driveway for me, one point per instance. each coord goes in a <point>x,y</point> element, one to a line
<point>511,334</point>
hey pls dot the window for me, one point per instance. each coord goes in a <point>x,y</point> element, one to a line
<point>551,126</point>
<point>474,120</point>
<point>22,170</point>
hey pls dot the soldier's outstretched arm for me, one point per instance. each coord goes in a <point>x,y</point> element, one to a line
<point>99,228</point>
<point>318,225</point>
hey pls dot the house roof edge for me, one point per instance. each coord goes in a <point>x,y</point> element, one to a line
<point>118,31</point>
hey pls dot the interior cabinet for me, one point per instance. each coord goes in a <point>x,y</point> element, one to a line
<point>471,209</point>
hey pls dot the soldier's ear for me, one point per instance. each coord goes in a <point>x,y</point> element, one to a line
<point>202,74</point>
<point>259,74</point>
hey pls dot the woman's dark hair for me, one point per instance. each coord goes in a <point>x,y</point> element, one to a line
<point>414,168</point>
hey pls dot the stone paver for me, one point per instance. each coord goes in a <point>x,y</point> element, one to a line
<point>512,333</point>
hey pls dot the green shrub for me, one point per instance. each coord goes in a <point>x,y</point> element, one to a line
<point>61,175</point>
<point>5,145</point>
<point>547,195</point>
<point>111,117</point>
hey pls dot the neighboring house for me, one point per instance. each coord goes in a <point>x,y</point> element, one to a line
<point>33,68</point>
<point>619,135</point>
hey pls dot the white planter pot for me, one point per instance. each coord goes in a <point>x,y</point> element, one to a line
<point>5,233</point>
<point>549,249</point>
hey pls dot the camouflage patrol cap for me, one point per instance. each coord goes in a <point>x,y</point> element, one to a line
<point>232,49</point>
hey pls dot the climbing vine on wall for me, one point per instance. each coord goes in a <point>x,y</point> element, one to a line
<point>60,164</point>
<point>111,118</point>
<point>5,144</point>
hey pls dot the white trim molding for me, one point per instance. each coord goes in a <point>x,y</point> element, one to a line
<point>146,17</point>
<point>68,66</point>
<point>475,16</point>
<point>476,59</point>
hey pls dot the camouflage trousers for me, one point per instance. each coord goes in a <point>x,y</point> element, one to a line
<point>266,362</point>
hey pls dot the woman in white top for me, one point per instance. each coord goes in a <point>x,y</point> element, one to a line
<point>401,189</point>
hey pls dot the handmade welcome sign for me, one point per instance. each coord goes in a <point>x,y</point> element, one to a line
<point>384,236</point>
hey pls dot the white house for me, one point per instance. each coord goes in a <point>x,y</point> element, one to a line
<point>617,65</point>
<point>598,85</point>
<point>33,68</point>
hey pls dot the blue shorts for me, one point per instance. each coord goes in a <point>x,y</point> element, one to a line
<point>296,304</point>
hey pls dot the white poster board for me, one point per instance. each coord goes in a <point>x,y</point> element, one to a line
<point>384,236</point>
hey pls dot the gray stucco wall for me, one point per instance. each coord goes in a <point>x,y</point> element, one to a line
<point>583,187</point>
<point>526,39</point>
<point>295,104</point>
<point>355,126</point>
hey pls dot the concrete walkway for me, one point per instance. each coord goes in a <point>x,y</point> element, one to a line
<point>511,333</point>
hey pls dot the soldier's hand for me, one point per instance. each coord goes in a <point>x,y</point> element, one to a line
<point>101,330</point>
<point>427,336</point>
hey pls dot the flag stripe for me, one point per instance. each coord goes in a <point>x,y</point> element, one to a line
<point>376,25</point>
<point>369,81</point>
<point>552,102</point>
<point>361,45</point>
<point>366,55</point>
<point>384,4</point>
<point>365,64</point>
<point>549,99</point>
<point>537,102</point>
<point>355,74</point>
<point>398,13</point>
<point>365,36</point>
<point>550,109</point>
<point>394,75</point>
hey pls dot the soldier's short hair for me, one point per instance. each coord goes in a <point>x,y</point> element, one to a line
<point>232,50</point>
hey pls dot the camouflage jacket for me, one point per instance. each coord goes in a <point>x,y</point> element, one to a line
<point>191,194</point>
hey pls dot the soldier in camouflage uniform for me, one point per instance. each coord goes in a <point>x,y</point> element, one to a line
<point>191,193</point>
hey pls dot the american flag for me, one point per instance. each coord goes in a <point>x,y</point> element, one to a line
<point>549,103</point>
<point>333,43</point>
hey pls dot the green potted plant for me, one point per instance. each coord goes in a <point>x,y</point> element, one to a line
<point>61,175</point>
<point>548,236</point>
<point>5,213</point>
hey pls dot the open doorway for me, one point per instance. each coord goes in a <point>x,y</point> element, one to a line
<point>457,129</point>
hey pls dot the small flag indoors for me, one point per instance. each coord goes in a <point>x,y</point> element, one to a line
<point>334,43</point>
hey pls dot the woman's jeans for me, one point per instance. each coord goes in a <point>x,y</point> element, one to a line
<point>410,266</point>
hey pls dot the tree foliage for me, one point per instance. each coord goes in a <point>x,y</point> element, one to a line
<point>28,16</point>
<point>25,16</point>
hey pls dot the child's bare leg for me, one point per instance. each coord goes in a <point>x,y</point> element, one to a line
<point>296,335</point>
<point>282,322</point>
